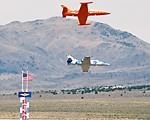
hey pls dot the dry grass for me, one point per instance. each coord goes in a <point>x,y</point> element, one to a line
<point>74,108</point>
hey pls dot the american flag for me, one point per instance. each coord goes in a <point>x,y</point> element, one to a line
<point>27,76</point>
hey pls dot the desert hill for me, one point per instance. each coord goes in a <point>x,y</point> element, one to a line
<point>41,46</point>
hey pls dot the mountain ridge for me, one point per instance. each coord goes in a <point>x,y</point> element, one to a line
<point>42,45</point>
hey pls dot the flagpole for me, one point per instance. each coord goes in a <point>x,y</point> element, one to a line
<point>22,82</point>
<point>27,81</point>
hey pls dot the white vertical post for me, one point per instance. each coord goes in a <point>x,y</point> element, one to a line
<point>22,82</point>
<point>27,81</point>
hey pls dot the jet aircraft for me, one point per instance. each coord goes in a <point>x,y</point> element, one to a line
<point>82,13</point>
<point>85,63</point>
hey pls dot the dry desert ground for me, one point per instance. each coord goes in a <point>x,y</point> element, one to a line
<point>103,106</point>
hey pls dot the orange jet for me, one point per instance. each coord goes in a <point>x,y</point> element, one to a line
<point>82,13</point>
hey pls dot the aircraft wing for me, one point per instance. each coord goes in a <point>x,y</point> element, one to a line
<point>83,13</point>
<point>85,68</point>
<point>85,64</point>
<point>91,13</point>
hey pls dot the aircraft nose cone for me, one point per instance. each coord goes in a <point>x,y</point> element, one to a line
<point>106,13</point>
<point>107,64</point>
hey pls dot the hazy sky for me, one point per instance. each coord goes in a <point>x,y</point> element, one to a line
<point>128,15</point>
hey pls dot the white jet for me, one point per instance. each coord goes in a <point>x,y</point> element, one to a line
<point>85,63</point>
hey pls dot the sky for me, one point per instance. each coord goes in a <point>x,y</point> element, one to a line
<point>128,15</point>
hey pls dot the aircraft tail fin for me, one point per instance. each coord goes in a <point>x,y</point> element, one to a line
<point>69,56</point>
<point>65,10</point>
<point>70,59</point>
